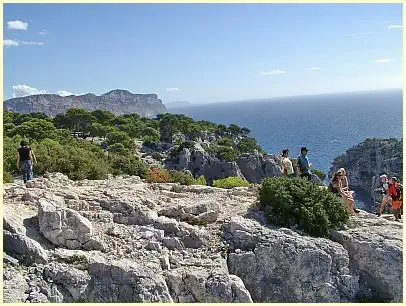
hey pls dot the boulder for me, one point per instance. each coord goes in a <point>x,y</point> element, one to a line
<point>25,249</point>
<point>63,226</point>
<point>125,281</point>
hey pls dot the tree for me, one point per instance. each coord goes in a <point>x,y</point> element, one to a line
<point>234,129</point>
<point>117,137</point>
<point>103,117</point>
<point>35,130</point>
<point>75,119</point>
<point>221,130</point>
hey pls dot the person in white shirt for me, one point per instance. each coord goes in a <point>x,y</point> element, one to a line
<point>287,167</point>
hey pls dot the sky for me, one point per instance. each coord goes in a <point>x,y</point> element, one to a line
<point>201,52</point>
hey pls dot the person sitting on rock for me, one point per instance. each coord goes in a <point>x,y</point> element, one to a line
<point>287,167</point>
<point>336,187</point>
<point>387,199</point>
<point>25,157</point>
<point>395,191</point>
<point>303,164</point>
<point>344,184</point>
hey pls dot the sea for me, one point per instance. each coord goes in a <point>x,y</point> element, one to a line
<point>327,124</point>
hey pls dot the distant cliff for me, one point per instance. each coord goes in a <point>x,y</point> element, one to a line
<point>116,101</point>
<point>369,159</point>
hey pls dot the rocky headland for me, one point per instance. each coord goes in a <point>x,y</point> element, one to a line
<point>368,160</point>
<point>125,240</point>
<point>116,101</point>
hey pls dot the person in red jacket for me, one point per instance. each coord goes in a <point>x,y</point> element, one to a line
<point>394,191</point>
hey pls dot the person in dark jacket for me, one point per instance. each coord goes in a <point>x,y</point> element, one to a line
<point>25,159</point>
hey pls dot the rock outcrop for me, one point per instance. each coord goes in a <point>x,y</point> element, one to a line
<point>167,242</point>
<point>369,159</point>
<point>116,101</point>
<point>252,167</point>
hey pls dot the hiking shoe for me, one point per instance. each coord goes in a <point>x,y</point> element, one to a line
<point>356,210</point>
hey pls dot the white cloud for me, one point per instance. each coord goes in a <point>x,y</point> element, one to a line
<point>395,26</point>
<point>24,90</point>
<point>273,72</point>
<point>315,68</point>
<point>64,93</point>
<point>17,25</point>
<point>32,43</point>
<point>10,43</point>
<point>16,43</point>
<point>43,32</point>
<point>173,89</point>
<point>383,60</point>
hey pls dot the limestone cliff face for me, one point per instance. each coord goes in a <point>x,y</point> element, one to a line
<point>116,101</point>
<point>369,159</point>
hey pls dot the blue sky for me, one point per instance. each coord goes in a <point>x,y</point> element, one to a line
<point>201,52</point>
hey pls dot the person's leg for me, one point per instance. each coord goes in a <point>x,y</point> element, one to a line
<point>23,168</point>
<point>29,170</point>
<point>383,204</point>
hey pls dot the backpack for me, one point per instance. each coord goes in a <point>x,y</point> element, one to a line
<point>399,190</point>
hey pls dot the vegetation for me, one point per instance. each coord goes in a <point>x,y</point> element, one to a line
<point>321,175</point>
<point>230,182</point>
<point>66,143</point>
<point>185,178</point>
<point>289,202</point>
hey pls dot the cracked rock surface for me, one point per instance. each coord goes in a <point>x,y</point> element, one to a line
<point>125,240</point>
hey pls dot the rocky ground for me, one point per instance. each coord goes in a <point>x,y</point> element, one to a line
<point>124,240</point>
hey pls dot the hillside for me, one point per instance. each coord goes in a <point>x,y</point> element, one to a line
<point>116,101</point>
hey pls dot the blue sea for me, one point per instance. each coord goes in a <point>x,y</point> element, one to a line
<point>326,124</point>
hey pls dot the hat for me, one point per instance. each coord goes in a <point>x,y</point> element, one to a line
<point>394,178</point>
<point>304,149</point>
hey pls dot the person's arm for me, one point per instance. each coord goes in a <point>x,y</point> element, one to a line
<point>32,156</point>
<point>18,160</point>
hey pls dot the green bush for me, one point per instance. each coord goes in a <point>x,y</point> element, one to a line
<point>288,202</point>
<point>7,178</point>
<point>319,173</point>
<point>201,180</point>
<point>76,162</point>
<point>225,153</point>
<point>127,164</point>
<point>230,182</point>
<point>181,177</point>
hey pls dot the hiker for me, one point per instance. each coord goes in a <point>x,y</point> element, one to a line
<point>336,187</point>
<point>344,184</point>
<point>25,158</point>
<point>303,164</point>
<point>387,199</point>
<point>287,167</point>
<point>395,192</point>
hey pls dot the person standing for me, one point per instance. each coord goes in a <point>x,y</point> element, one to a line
<point>287,167</point>
<point>387,199</point>
<point>25,158</point>
<point>303,164</point>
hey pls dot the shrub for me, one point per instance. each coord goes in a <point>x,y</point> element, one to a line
<point>321,175</point>
<point>231,182</point>
<point>7,178</point>
<point>288,202</point>
<point>156,175</point>
<point>225,153</point>
<point>201,180</point>
<point>76,162</point>
<point>126,163</point>
<point>181,177</point>
<point>157,156</point>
